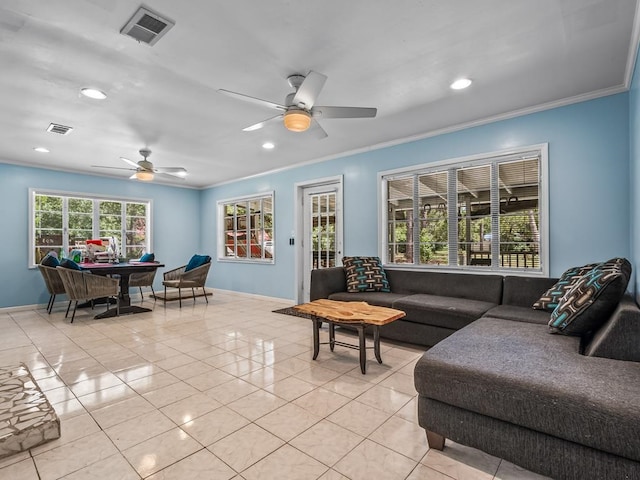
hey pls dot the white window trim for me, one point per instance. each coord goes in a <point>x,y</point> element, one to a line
<point>89,196</point>
<point>221,228</point>
<point>466,161</point>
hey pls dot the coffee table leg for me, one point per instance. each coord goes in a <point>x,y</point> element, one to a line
<point>376,342</point>
<point>332,335</point>
<point>316,338</point>
<point>363,349</point>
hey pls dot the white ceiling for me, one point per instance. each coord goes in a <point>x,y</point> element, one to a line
<point>397,56</point>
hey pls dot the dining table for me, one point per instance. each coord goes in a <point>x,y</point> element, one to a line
<point>123,271</point>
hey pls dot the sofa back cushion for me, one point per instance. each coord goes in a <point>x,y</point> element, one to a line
<point>619,337</point>
<point>524,291</point>
<point>485,288</point>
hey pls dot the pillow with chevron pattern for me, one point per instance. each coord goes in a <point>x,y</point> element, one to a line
<point>365,274</point>
<point>549,300</point>
<point>592,300</point>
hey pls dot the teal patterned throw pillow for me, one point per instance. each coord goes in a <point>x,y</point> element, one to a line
<point>550,299</point>
<point>592,300</point>
<point>365,274</point>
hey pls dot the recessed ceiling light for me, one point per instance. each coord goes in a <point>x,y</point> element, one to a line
<point>41,149</point>
<point>268,145</point>
<point>460,84</point>
<point>93,93</point>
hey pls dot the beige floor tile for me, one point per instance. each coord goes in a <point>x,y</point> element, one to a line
<point>15,458</point>
<point>139,371</point>
<point>286,462</point>
<point>139,429</point>
<point>192,369</point>
<point>74,456</point>
<point>461,462</point>
<point>159,452</point>
<point>288,421</point>
<point>385,399</point>
<point>213,426</point>
<point>322,402</point>
<point>317,375</point>
<point>402,436</point>
<point>348,386</point>
<point>231,391</point>
<point>359,418</point>
<point>187,409</point>
<point>209,380</point>
<point>22,470</point>
<point>155,381</point>
<point>290,388</point>
<point>422,472</point>
<point>114,467</point>
<point>370,460</point>
<point>246,446</point>
<point>326,442</point>
<point>73,429</point>
<point>202,464</point>
<point>332,475</point>
<point>264,377</point>
<point>401,383</point>
<point>169,394</point>
<point>256,404</point>
<point>241,367</point>
<point>122,411</point>
<point>409,411</point>
<point>509,471</point>
<point>105,397</point>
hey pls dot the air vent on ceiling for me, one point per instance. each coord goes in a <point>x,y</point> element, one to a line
<point>60,129</point>
<point>146,26</point>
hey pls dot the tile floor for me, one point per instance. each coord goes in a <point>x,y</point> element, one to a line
<point>226,390</point>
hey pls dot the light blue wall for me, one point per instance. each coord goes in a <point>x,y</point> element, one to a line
<point>176,223</point>
<point>589,189</point>
<point>634,176</point>
<point>592,201</point>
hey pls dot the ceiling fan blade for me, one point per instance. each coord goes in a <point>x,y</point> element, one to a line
<point>344,112</point>
<point>259,125</point>
<point>309,90</point>
<point>113,168</point>
<point>317,131</point>
<point>247,98</point>
<point>133,177</point>
<point>172,176</point>
<point>130,162</point>
<point>173,171</point>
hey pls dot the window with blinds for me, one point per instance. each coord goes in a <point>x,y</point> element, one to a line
<point>486,212</point>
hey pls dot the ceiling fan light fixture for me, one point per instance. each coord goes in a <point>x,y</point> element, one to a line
<point>93,93</point>
<point>297,120</point>
<point>460,84</point>
<point>144,176</point>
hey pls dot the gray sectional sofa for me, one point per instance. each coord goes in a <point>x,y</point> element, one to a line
<point>564,406</point>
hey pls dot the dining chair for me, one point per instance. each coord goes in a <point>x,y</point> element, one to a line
<point>54,284</point>
<point>144,279</point>
<point>193,275</point>
<point>80,285</point>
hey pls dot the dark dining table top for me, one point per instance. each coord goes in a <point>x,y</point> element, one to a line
<point>125,267</point>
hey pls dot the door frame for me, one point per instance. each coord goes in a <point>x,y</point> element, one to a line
<point>298,233</point>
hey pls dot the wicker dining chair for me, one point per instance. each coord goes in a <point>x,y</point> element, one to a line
<point>144,279</point>
<point>79,285</point>
<point>180,278</point>
<point>54,284</point>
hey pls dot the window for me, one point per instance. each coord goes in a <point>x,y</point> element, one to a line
<point>60,221</point>
<point>485,212</point>
<point>246,229</point>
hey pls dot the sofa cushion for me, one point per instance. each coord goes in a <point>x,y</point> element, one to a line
<point>514,372</point>
<point>591,301</point>
<point>519,314</point>
<point>197,261</point>
<point>365,274</point>
<point>485,288</point>
<point>372,298</point>
<point>550,299</point>
<point>619,337</point>
<point>448,312</point>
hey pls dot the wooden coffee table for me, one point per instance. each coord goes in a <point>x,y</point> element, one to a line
<point>353,314</point>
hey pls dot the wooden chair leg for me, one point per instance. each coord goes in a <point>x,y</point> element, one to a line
<point>153,293</point>
<point>180,296</point>
<point>205,295</point>
<point>49,304</point>
<point>193,293</point>
<point>141,295</point>
<point>435,440</point>
<point>68,307</point>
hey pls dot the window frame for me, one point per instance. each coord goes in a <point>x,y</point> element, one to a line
<point>95,199</point>
<point>221,204</point>
<point>497,157</point>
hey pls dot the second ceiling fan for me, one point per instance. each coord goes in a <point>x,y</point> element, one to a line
<point>300,112</point>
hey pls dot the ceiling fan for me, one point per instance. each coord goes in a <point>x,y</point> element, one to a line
<point>299,110</point>
<point>144,169</point>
